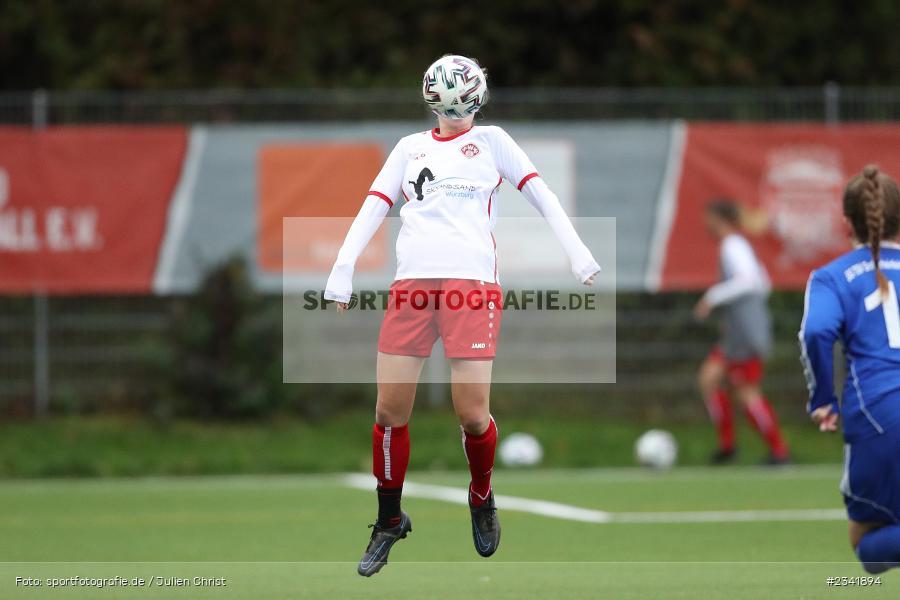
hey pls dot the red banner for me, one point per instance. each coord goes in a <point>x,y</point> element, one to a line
<point>789,180</point>
<point>83,209</point>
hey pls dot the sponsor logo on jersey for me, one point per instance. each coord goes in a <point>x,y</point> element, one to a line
<point>426,184</point>
<point>469,150</point>
<point>478,345</point>
<point>418,183</point>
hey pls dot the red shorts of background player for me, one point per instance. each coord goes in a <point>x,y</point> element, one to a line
<point>464,313</point>
<point>740,372</point>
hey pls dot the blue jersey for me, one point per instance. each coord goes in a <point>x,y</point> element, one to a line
<point>843,303</point>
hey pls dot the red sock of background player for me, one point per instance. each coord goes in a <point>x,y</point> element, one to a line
<point>722,416</point>
<point>390,457</point>
<point>480,454</point>
<point>763,419</point>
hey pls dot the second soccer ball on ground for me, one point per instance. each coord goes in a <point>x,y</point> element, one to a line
<point>520,450</point>
<point>656,448</point>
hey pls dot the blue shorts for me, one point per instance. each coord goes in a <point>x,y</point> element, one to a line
<point>871,481</point>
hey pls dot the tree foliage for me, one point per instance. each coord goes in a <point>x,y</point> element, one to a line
<point>159,44</point>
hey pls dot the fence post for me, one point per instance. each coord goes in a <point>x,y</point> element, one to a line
<point>39,108</point>
<point>41,355</point>
<point>831,93</point>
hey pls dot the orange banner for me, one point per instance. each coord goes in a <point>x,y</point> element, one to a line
<point>83,209</point>
<point>314,180</point>
<point>789,180</point>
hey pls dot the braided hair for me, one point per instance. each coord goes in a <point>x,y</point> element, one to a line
<point>872,205</point>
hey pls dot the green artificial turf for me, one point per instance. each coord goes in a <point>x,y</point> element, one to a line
<point>290,536</point>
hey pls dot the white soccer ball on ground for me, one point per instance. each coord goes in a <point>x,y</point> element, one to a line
<point>454,87</point>
<point>520,450</point>
<point>656,448</point>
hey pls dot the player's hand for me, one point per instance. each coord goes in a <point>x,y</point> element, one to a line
<point>341,306</point>
<point>702,310</point>
<point>825,418</point>
<point>590,280</point>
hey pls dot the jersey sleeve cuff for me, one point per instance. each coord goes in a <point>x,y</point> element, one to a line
<point>525,180</point>
<point>588,271</point>
<point>382,196</point>
<point>336,297</point>
<point>813,406</point>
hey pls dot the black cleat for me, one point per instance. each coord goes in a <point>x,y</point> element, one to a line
<point>485,526</point>
<point>773,460</point>
<point>383,538</point>
<point>724,456</point>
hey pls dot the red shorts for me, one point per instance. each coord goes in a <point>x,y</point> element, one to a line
<point>464,313</point>
<point>739,371</point>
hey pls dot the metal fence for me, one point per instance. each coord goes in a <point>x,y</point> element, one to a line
<point>83,353</point>
<point>830,103</point>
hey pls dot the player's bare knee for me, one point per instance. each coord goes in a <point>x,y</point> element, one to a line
<point>706,382</point>
<point>746,394</point>
<point>474,424</point>
<point>856,531</point>
<point>387,415</point>
<point>472,409</point>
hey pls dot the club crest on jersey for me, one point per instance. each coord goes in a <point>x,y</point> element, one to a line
<point>469,150</point>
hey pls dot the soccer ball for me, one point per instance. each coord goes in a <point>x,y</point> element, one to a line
<point>656,448</point>
<point>454,87</point>
<point>520,450</point>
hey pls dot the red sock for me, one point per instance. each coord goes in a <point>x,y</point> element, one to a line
<point>722,416</point>
<point>480,455</point>
<point>390,457</point>
<point>764,420</point>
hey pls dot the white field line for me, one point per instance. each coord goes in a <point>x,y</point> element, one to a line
<point>459,496</point>
<point>557,510</point>
<point>732,516</point>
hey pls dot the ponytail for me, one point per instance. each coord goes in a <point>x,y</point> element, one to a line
<point>873,204</point>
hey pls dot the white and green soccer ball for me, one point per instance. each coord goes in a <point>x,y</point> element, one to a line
<point>454,87</point>
<point>657,449</point>
<point>520,450</point>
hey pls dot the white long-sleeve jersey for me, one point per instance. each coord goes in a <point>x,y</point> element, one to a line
<point>742,301</point>
<point>741,272</point>
<point>448,186</point>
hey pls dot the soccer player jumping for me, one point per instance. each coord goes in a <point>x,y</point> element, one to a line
<point>853,300</point>
<point>446,286</point>
<point>740,300</point>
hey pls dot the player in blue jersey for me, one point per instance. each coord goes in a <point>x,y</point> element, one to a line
<point>853,300</point>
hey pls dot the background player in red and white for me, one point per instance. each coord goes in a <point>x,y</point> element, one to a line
<point>740,301</point>
<point>447,179</point>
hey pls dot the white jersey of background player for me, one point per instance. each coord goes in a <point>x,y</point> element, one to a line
<point>736,365</point>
